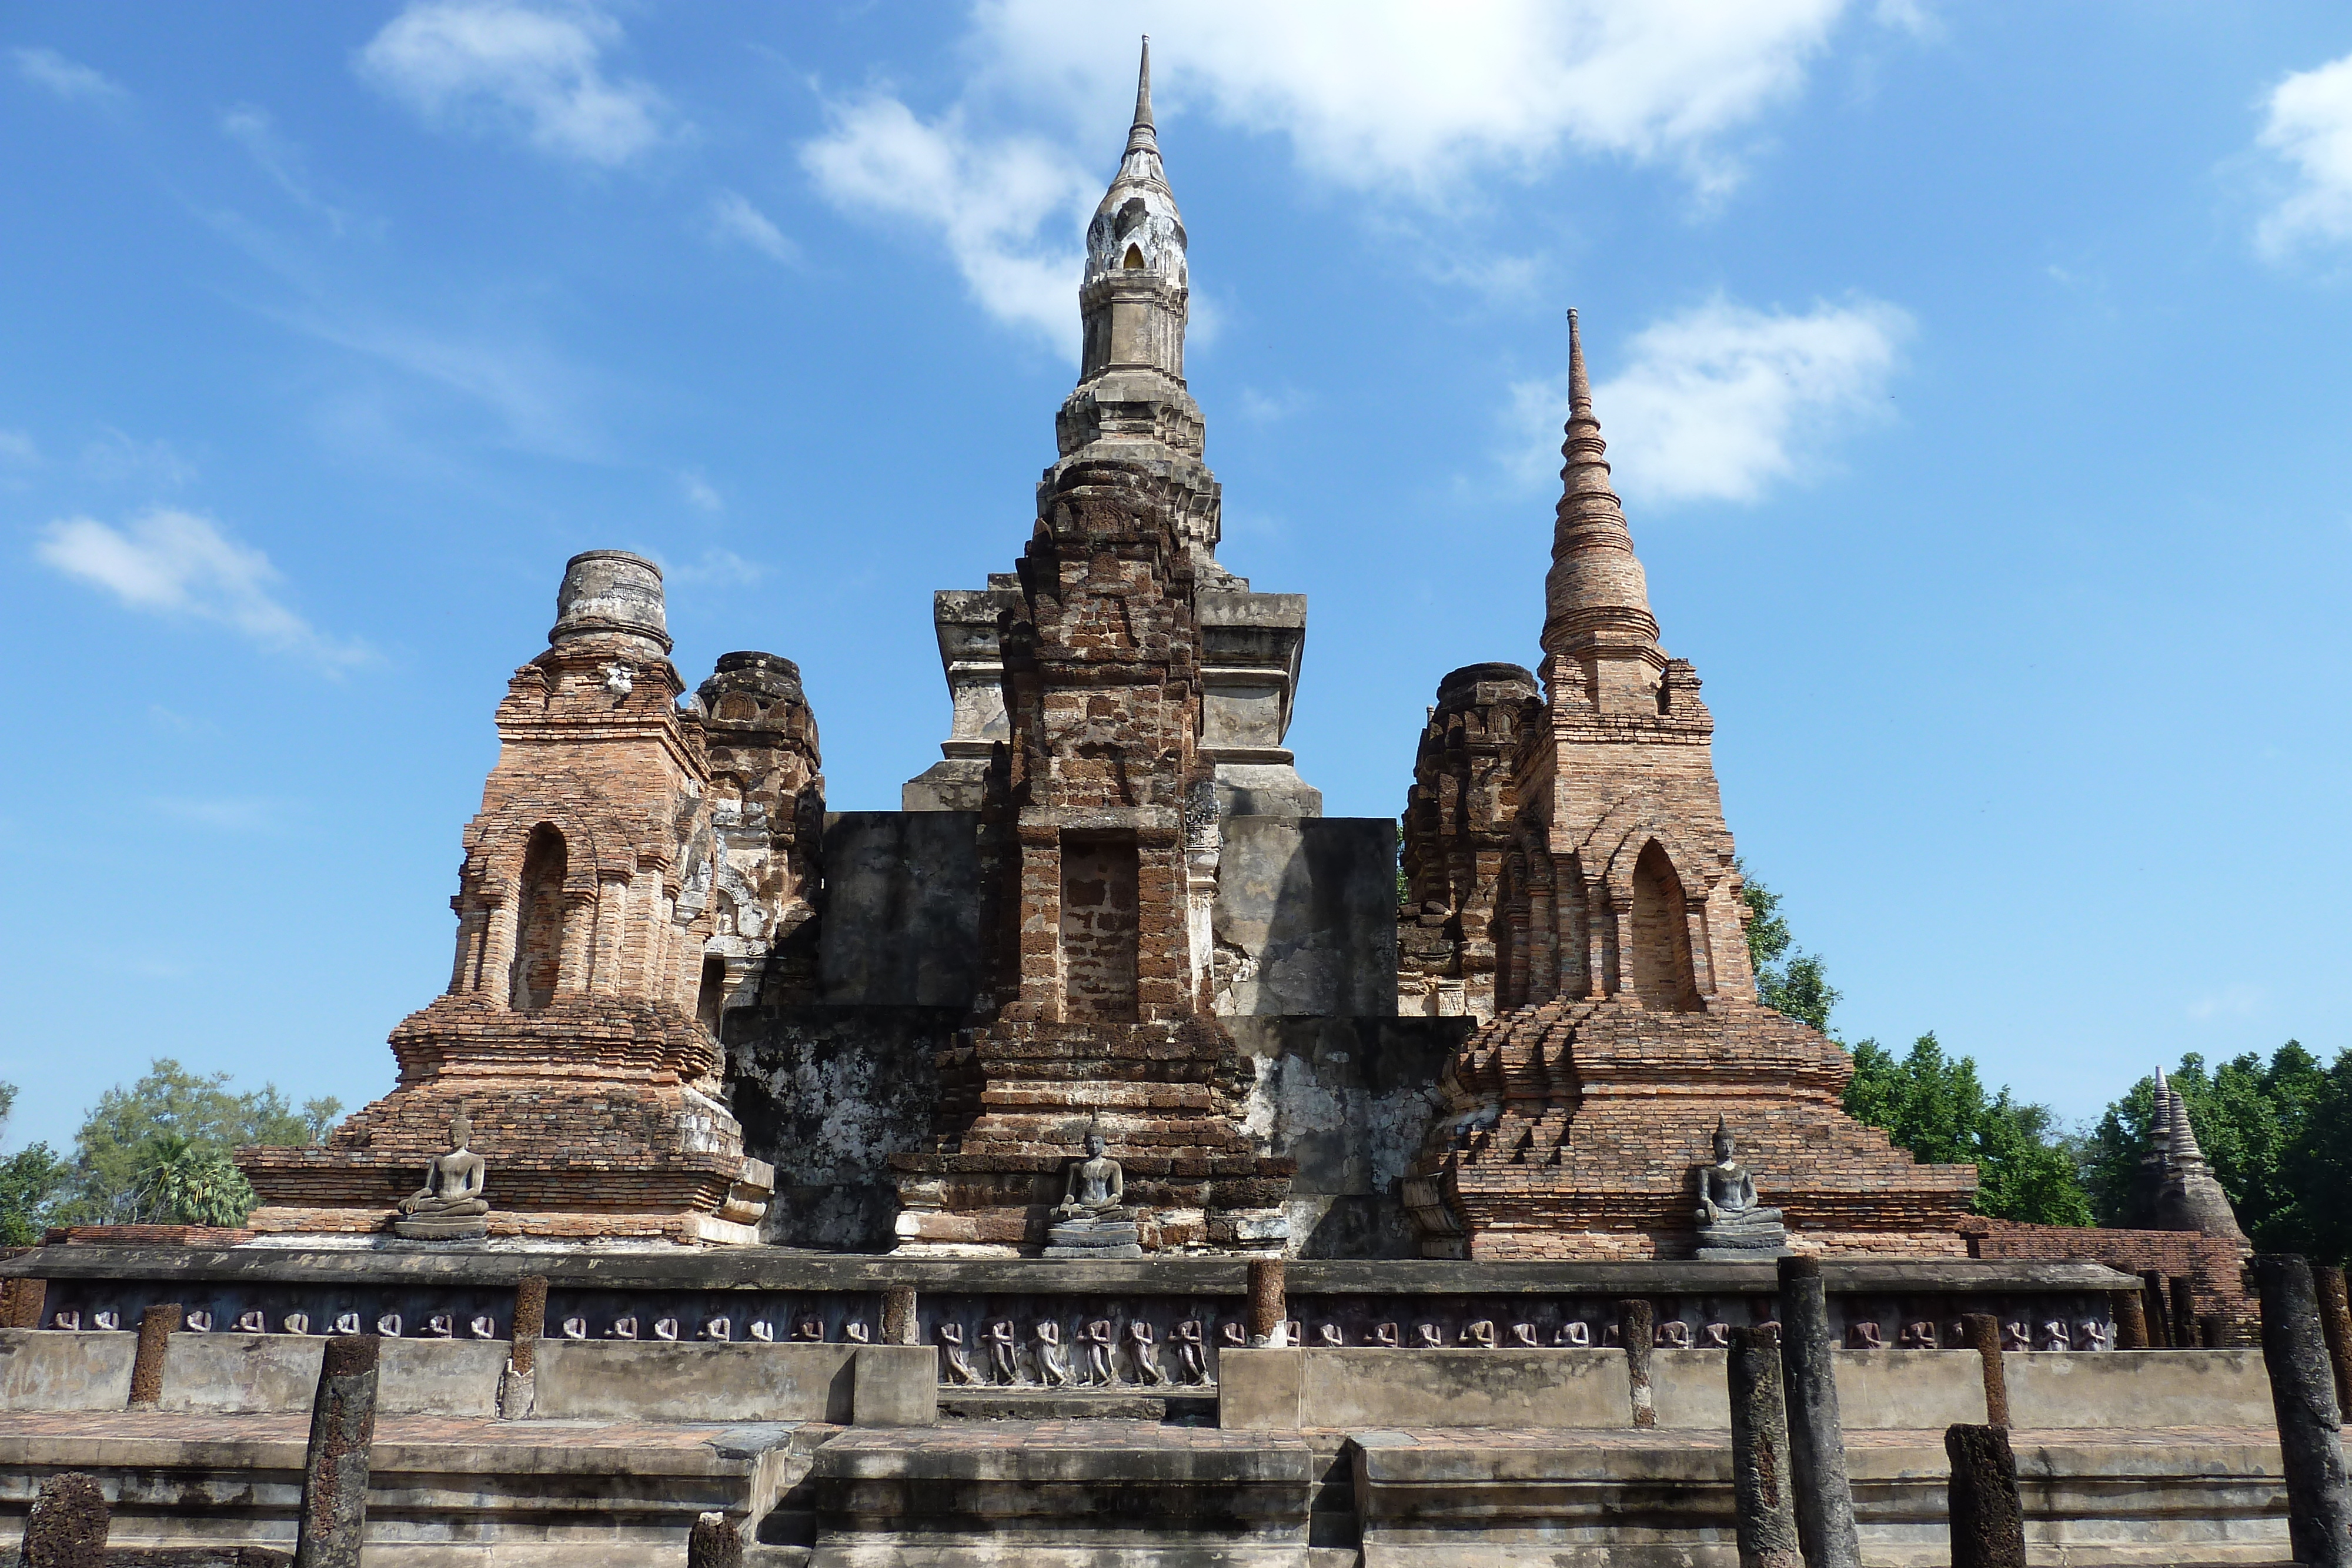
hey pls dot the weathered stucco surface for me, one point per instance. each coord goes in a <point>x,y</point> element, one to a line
<point>1351,1099</point>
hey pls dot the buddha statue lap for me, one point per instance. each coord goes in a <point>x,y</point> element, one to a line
<point>1733,1224</point>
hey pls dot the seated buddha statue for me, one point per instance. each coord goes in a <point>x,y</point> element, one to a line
<point>1733,1223</point>
<point>449,1205</point>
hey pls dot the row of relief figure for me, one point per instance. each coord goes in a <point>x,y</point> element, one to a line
<point>1048,1357</point>
<point>440,1325</point>
<point>2056,1333</point>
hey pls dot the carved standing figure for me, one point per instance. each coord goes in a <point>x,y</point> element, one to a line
<point>959,1367</point>
<point>1140,1349</point>
<point>1003,1361</point>
<point>1192,1353</point>
<point>1100,1369</point>
<point>1053,1360</point>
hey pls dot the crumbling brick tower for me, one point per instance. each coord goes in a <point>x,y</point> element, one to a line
<point>569,1033</point>
<point>1099,816</point>
<point>1627,1018</point>
<point>1458,818</point>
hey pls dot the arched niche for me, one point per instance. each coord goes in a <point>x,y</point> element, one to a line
<point>539,935</point>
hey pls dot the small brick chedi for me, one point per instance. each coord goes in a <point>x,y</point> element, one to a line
<point>629,857</point>
<point>1099,811</point>
<point>1626,1015</point>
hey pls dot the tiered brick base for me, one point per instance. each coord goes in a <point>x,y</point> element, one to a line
<point>1574,1126</point>
<point>1016,1101</point>
<point>2214,1266</point>
<point>587,1115</point>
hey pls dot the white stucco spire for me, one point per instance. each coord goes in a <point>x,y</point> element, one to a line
<point>1136,226</point>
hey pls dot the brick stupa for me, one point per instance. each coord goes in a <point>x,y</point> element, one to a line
<point>1099,820</point>
<point>569,1034</point>
<point>1627,1017</point>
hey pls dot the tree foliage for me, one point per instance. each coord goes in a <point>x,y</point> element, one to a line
<point>1792,982</point>
<point>30,1181</point>
<point>1935,1107</point>
<point>158,1152</point>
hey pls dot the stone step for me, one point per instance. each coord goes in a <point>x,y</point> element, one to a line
<point>1187,1407</point>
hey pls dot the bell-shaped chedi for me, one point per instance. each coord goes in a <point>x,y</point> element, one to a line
<point>569,1035</point>
<point>2188,1195</point>
<point>1627,1025</point>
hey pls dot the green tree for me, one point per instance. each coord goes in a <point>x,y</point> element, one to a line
<point>154,1152</point>
<point>1791,983</point>
<point>30,1181</point>
<point>2250,1116</point>
<point>1935,1107</point>
<point>2317,1168</point>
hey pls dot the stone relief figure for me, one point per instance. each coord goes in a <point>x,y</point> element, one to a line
<point>2056,1335</point>
<point>2014,1337</point>
<point>958,1363</point>
<point>1003,1357</point>
<point>1140,1350</point>
<point>1052,1358</point>
<point>1192,1354</point>
<point>1864,1335</point>
<point>2097,1334</point>
<point>1331,1335</point>
<point>1101,1370</point>
<point>449,1205</point>
<point>1919,1335</point>
<point>1480,1333</point>
<point>1675,1334</point>
<point>1234,1334</point>
<point>1576,1334</point>
<point>1733,1223</point>
<point>1428,1336</point>
<point>1386,1335</point>
<point>1091,1220</point>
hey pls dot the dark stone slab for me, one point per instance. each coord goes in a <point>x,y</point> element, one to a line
<point>1311,902</point>
<point>901,909</point>
<point>826,1094</point>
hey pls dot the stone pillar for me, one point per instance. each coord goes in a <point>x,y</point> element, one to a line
<point>1637,1325</point>
<point>2302,1393</point>
<point>21,1302</point>
<point>2336,1324</point>
<point>899,1315</point>
<point>517,1384</point>
<point>157,1324</point>
<point>1988,1518</point>
<point>1266,1306</point>
<point>67,1526</point>
<point>1759,1453</point>
<point>1983,1332</point>
<point>2131,1320</point>
<point>2184,1312</point>
<point>2213,1334</point>
<point>715,1542</point>
<point>1823,1495</point>
<point>2159,1315</point>
<point>335,1469</point>
<point>529,1322</point>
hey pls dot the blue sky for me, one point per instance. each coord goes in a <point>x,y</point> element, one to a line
<point>1975,377</point>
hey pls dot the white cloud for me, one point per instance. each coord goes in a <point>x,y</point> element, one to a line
<point>985,199</point>
<point>176,563</point>
<point>534,69</point>
<point>723,567</point>
<point>733,217</point>
<point>48,69</point>
<point>1373,93</point>
<point>1722,401</point>
<point>698,492</point>
<point>2310,126</point>
<point>250,128</point>
<point>17,450</point>
<point>2230,1002</point>
<point>116,458</point>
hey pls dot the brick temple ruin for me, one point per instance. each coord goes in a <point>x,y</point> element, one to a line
<point>1107,1159</point>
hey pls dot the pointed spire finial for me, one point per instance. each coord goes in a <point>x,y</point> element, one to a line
<point>1142,134</point>
<point>1579,387</point>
